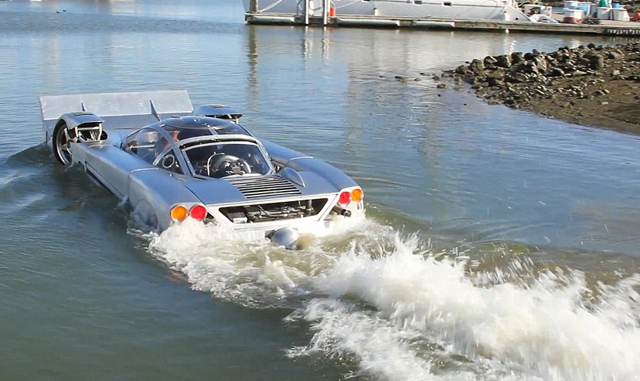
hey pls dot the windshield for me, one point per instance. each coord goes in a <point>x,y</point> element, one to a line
<point>226,159</point>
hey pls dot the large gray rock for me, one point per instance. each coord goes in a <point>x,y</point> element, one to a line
<point>596,61</point>
<point>462,69</point>
<point>489,60</point>
<point>614,55</point>
<point>496,74</point>
<point>527,67</point>
<point>555,72</point>
<point>495,82</point>
<point>476,66</point>
<point>517,57</point>
<point>540,63</point>
<point>503,61</point>
<point>516,77</point>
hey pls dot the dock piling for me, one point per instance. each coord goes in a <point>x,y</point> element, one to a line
<point>326,5</point>
<point>308,4</point>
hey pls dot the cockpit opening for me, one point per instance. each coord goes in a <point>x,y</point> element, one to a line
<point>221,159</point>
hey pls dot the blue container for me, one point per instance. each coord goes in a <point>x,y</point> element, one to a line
<point>615,5</point>
<point>586,8</point>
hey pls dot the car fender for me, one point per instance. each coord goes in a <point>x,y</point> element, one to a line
<point>160,189</point>
<point>331,174</point>
<point>79,119</point>
<point>304,163</point>
<point>145,213</point>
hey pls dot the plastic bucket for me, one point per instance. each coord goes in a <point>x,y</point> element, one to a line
<point>619,14</point>
<point>603,13</point>
<point>573,16</point>
<point>586,8</point>
<point>575,13</point>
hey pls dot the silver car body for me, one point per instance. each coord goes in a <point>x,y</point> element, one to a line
<point>114,137</point>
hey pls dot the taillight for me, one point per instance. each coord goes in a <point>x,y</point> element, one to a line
<point>344,199</point>
<point>178,213</point>
<point>356,195</point>
<point>198,212</point>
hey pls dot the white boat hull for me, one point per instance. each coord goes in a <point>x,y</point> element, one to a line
<point>443,9</point>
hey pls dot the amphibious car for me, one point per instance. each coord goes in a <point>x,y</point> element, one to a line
<point>171,162</point>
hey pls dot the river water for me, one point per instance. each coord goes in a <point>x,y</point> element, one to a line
<point>498,245</point>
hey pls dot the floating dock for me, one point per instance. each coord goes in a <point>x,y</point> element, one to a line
<point>606,27</point>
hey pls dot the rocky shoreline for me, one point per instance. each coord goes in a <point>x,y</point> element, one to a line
<point>589,85</point>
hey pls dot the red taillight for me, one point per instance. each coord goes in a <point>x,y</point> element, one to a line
<point>198,212</point>
<point>344,199</point>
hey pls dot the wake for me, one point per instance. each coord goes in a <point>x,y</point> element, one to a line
<point>400,311</point>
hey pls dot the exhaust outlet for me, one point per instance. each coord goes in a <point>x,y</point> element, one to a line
<point>341,211</point>
<point>287,237</point>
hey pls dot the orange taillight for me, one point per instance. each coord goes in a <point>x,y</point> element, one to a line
<point>178,213</point>
<point>356,195</point>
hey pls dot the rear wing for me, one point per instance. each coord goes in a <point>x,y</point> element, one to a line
<point>117,110</point>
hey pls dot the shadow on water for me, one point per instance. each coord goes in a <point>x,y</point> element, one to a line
<point>33,184</point>
<point>31,157</point>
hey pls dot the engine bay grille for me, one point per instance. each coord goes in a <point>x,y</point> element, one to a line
<point>263,187</point>
<point>278,211</point>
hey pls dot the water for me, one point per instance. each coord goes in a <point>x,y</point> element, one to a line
<point>498,245</point>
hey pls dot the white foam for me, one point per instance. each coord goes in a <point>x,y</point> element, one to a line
<point>542,331</point>
<point>387,304</point>
<point>252,272</point>
<point>381,349</point>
